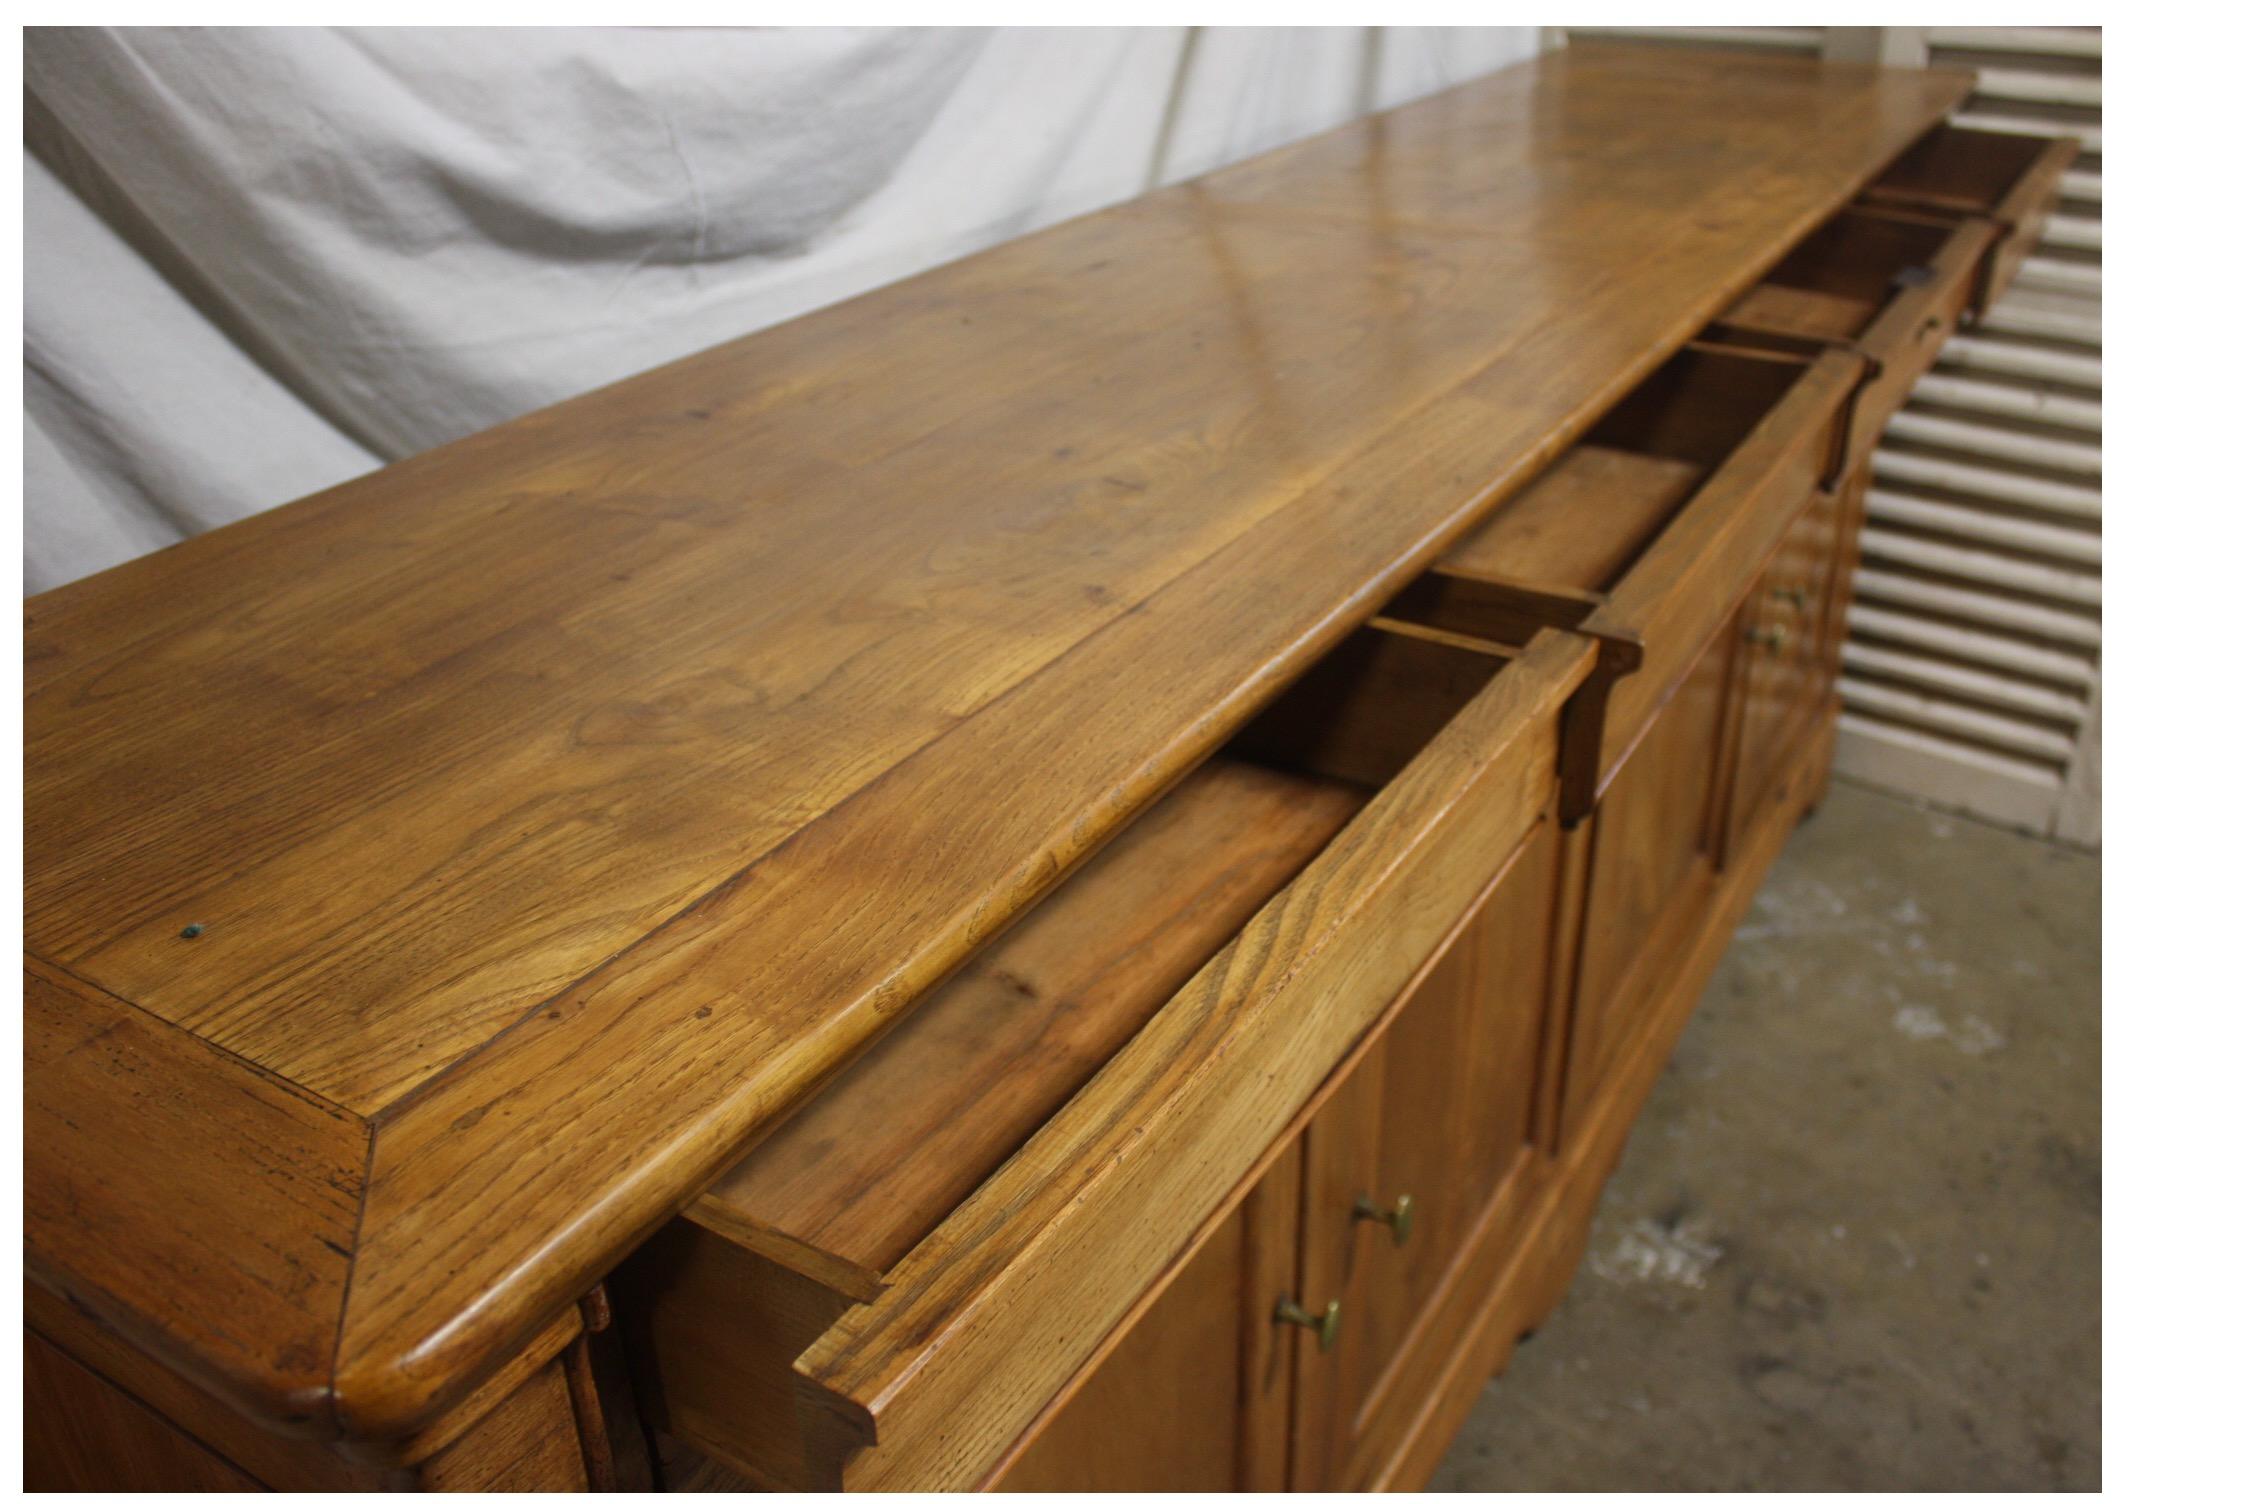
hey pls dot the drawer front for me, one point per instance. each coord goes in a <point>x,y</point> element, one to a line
<point>1904,341</point>
<point>2022,217</point>
<point>1672,601</point>
<point>2012,181</point>
<point>990,1316</point>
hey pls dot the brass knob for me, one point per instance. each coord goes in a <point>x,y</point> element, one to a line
<point>1326,1326</point>
<point>1773,638</point>
<point>1367,1210</point>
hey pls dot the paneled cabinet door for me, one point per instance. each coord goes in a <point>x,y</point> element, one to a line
<point>1653,862</point>
<point>1788,656</point>
<point>1404,1165</point>
<point>1192,1394</point>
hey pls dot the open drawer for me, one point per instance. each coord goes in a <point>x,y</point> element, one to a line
<point>1889,284</point>
<point>1648,532</point>
<point>2009,180</point>
<point>889,1288</point>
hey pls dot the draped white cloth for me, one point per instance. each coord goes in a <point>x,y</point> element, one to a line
<point>259,262</point>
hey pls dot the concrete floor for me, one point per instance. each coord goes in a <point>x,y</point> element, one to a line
<point>1854,1241</point>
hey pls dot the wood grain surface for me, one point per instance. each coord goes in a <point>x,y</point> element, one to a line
<point>198,1204</point>
<point>563,805</point>
<point>1002,1302</point>
<point>888,1149</point>
<point>1581,522</point>
<point>90,1436</point>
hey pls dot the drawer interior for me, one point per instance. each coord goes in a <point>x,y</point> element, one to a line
<point>1834,285</point>
<point>850,1183</point>
<point>1577,528</point>
<point>1968,172</point>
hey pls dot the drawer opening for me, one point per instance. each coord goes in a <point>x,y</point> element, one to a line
<point>1961,171</point>
<point>1835,284</point>
<point>845,1187</point>
<point>816,1216</point>
<point>1598,545</point>
<point>1371,705</point>
<point>821,1216</point>
<point>1573,532</point>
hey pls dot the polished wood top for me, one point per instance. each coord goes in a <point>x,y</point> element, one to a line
<point>551,811</point>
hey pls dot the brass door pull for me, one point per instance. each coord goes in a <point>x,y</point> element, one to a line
<point>1326,1325</point>
<point>1367,1210</point>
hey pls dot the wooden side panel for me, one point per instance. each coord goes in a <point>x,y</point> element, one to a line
<point>1806,560</point>
<point>83,1434</point>
<point>277,1461</point>
<point>134,1383</point>
<point>159,1154</point>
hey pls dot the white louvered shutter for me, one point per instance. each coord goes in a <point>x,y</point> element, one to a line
<point>1971,674</point>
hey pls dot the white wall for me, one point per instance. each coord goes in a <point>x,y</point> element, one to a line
<point>260,262</point>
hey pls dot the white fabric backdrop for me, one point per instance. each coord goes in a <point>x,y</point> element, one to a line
<point>260,262</point>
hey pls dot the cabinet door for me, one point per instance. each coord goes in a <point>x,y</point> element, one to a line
<point>1406,1161</point>
<point>1653,861</point>
<point>1788,655</point>
<point>1192,1394</point>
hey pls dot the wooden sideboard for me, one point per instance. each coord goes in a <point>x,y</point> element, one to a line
<point>1065,875</point>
